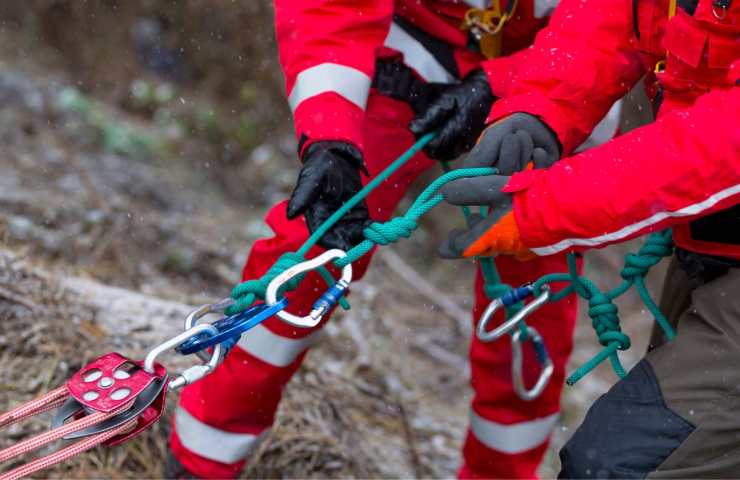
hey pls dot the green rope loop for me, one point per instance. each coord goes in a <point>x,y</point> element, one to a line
<point>248,292</point>
<point>604,314</point>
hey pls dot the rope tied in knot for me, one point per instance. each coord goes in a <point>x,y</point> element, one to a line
<point>657,246</point>
<point>391,231</point>
<point>605,321</point>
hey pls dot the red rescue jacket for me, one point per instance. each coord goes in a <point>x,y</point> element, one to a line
<point>684,166</point>
<point>328,51</point>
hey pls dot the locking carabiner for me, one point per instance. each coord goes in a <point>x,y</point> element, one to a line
<point>194,316</point>
<point>230,329</point>
<point>543,358</point>
<point>327,300</point>
<point>195,372</point>
<point>509,299</point>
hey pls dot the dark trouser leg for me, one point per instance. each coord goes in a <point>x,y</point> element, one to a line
<point>675,415</point>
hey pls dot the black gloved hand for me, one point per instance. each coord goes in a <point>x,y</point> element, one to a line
<point>513,142</point>
<point>459,115</point>
<point>329,177</point>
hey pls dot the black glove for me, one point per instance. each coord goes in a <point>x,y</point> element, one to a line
<point>510,144</point>
<point>329,177</point>
<point>459,115</point>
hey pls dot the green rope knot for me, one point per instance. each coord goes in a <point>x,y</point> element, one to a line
<point>605,321</point>
<point>246,293</point>
<point>391,231</point>
<point>657,246</point>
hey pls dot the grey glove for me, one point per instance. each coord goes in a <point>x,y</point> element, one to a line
<point>510,144</point>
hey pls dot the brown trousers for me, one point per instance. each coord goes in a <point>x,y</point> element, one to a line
<point>699,374</point>
<point>677,413</point>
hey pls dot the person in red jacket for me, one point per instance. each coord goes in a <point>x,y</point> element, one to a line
<point>357,74</point>
<point>674,415</point>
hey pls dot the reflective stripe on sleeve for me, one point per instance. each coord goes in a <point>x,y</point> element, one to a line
<point>348,82</point>
<point>274,349</point>
<point>210,442</point>
<point>514,438</point>
<point>629,230</point>
<point>416,56</point>
<point>478,3</point>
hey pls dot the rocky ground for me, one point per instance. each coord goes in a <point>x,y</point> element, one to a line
<point>116,212</point>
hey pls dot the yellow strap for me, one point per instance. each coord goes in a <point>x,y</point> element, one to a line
<point>660,66</point>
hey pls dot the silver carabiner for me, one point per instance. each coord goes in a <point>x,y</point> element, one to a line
<point>323,304</point>
<point>195,372</point>
<point>517,377</point>
<point>506,301</point>
<point>193,317</point>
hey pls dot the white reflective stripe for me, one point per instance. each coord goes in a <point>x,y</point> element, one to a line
<point>478,3</point>
<point>209,442</point>
<point>514,438</point>
<point>605,130</point>
<point>348,82</point>
<point>274,349</point>
<point>544,8</point>
<point>416,56</point>
<point>694,209</point>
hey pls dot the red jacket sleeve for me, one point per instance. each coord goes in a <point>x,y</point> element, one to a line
<point>580,64</point>
<point>503,71</point>
<point>683,166</point>
<point>327,51</point>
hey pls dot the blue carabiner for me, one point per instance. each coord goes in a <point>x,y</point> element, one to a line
<point>230,329</point>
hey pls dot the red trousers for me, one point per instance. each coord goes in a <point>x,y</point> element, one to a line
<point>220,417</point>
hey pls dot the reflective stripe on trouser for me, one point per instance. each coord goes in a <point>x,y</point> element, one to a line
<point>243,394</point>
<point>508,436</point>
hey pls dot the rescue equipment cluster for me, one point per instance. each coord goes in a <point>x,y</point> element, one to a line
<point>114,398</point>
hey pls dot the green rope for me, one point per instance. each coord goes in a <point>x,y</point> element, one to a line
<point>246,293</point>
<point>602,310</point>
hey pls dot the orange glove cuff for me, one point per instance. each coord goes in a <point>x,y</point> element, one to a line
<point>502,238</point>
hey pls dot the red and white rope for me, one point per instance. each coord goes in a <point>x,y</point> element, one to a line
<point>46,402</point>
<point>67,453</point>
<point>39,441</point>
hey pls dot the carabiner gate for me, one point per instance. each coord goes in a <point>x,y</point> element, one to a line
<point>507,300</point>
<point>195,372</point>
<point>544,359</point>
<point>193,317</point>
<point>327,300</point>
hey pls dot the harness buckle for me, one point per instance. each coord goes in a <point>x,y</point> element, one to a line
<point>543,358</point>
<point>327,300</point>
<point>485,26</point>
